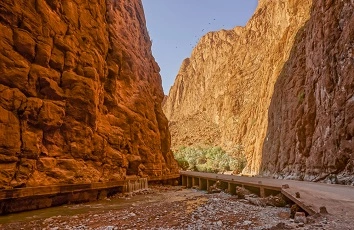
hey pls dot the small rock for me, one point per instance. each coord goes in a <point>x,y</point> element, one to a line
<point>242,192</point>
<point>294,208</point>
<point>297,194</point>
<point>247,222</point>
<point>48,220</point>
<point>219,223</point>
<point>300,217</point>
<point>285,186</point>
<point>323,210</point>
<point>109,228</point>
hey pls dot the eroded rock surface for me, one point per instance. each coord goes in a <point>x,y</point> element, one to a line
<point>80,94</point>
<point>311,117</point>
<point>222,92</point>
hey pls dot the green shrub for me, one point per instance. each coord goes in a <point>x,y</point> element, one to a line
<point>301,96</point>
<point>209,159</point>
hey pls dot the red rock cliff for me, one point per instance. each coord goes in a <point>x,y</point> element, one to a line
<point>80,94</point>
<point>311,116</point>
<point>222,92</point>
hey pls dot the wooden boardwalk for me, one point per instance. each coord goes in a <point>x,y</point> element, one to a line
<point>31,198</point>
<point>338,199</point>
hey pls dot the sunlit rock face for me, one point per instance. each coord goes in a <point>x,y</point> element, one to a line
<point>311,116</point>
<point>222,92</point>
<point>80,94</point>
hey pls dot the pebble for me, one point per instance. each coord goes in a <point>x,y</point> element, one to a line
<point>247,222</point>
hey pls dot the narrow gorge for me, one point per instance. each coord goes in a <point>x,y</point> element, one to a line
<point>281,88</point>
<point>88,140</point>
<point>222,92</point>
<point>80,94</point>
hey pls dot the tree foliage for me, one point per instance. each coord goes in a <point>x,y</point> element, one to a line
<point>209,159</point>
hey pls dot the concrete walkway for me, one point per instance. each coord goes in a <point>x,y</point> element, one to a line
<point>338,199</point>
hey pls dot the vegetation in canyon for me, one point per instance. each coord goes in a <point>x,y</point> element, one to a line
<point>211,159</point>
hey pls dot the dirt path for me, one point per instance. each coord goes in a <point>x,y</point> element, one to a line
<point>167,208</point>
<point>338,199</point>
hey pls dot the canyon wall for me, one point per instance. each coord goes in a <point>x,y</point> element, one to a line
<point>222,92</point>
<point>80,94</point>
<point>311,116</point>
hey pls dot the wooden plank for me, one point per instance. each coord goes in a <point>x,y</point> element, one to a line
<point>55,189</point>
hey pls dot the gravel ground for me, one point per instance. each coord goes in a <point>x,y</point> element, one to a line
<point>178,208</point>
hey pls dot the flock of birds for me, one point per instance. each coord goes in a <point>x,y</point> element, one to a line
<point>193,45</point>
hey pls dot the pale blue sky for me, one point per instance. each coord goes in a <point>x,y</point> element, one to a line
<point>175,26</point>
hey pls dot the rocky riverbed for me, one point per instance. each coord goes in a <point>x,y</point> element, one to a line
<point>167,208</point>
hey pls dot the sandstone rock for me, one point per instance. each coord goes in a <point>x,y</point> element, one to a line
<point>24,43</point>
<point>80,94</point>
<point>309,134</point>
<point>276,201</point>
<point>7,172</point>
<point>242,192</point>
<point>50,89</point>
<point>323,210</point>
<point>51,115</point>
<point>293,210</point>
<point>215,188</point>
<point>31,143</point>
<point>222,92</point>
<point>300,217</point>
<point>43,54</point>
<point>297,64</point>
<point>10,133</point>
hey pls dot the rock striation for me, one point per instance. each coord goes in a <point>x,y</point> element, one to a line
<point>80,94</point>
<point>222,92</point>
<point>311,116</point>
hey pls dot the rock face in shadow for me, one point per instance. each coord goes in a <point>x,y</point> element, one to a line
<point>80,94</point>
<point>311,116</point>
<point>222,92</point>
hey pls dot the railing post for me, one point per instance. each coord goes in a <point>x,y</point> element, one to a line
<point>261,191</point>
<point>184,180</point>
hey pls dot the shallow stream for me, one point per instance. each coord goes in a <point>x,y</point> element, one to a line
<point>75,209</point>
